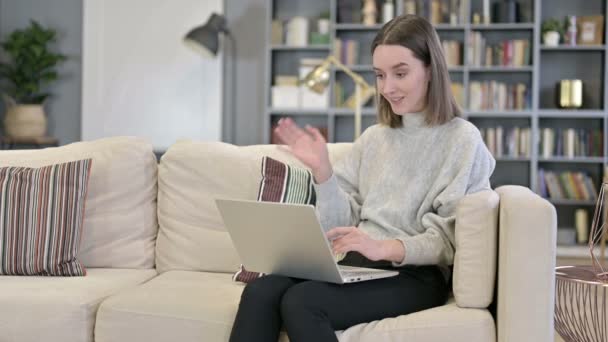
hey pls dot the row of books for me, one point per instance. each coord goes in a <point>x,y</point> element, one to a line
<point>571,142</point>
<point>507,142</point>
<point>438,11</point>
<point>495,95</point>
<point>452,50</point>
<point>347,51</point>
<point>513,53</point>
<point>566,185</point>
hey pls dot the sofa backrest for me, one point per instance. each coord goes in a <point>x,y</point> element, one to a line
<point>120,224</point>
<point>192,236</point>
<point>191,176</point>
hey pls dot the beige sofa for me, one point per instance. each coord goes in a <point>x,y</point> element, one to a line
<point>160,262</point>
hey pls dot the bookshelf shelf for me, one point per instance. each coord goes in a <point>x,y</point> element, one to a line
<point>449,27</point>
<point>573,48</point>
<point>502,27</point>
<point>356,68</point>
<point>499,114</point>
<point>512,159</point>
<point>366,111</point>
<point>570,202</point>
<point>576,251</point>
<point>297,111</point>
<point>571,114</point>
<point>356,27</point>
<point>588,160</point>
<point>502,69</point>
<point>457,68</point>
<point>319,47</point>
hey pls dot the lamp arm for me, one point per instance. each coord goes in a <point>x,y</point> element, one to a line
<point>358,79</point>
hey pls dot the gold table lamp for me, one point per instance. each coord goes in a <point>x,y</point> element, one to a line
<point>318,79</point>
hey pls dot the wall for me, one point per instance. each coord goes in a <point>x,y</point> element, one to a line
<point>247,21</point>
<point>143,79</point>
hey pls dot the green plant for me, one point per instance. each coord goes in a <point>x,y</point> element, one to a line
<point>552,24</point>
<point>31,65</point>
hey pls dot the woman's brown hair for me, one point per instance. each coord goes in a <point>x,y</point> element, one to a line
<point>419,36</point>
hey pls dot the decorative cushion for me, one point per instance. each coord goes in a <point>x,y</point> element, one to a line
<point>42,212</point>
<point>281,183</point>
<point>120,220</point>
<point>285,184</point>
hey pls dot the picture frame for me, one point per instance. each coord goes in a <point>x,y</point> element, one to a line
<point>590,30</point>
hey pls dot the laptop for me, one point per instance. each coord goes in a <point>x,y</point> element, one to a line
<point>287,239</point>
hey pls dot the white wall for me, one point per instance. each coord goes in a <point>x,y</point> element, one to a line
<point>139,78</point>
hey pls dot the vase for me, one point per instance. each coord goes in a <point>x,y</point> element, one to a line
<point>551,38</point>
<point>25,121</point>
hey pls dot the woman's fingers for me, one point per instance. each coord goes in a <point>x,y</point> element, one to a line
<point>337,232</point>
<point>316,134</point>
<point>288,131</point>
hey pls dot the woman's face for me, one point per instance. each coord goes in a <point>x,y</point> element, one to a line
<point>401,78</point>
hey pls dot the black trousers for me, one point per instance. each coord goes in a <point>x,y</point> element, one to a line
<point>313,310</point>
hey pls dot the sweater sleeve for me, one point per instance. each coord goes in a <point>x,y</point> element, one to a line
<point>338,199</point>
<point>468,170</point>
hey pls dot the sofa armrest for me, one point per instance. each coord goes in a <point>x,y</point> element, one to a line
<point>526,266</point>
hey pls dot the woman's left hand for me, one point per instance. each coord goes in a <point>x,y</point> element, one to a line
<point>346,239</point>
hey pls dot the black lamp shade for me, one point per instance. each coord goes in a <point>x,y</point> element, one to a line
<point>207,35</point>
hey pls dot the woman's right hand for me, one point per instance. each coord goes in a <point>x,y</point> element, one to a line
<point>308,146</point>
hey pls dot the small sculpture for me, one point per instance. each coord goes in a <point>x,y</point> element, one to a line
<point>369,12</point>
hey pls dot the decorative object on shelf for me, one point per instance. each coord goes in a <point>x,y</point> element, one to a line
<point>318,79</point>
<point>30,68</point>
<point>581,225</point>
<point>206,36</point>
<point>570,94</point>
<point>369,12</point>
<point>581,292</point>
<point>388,11</point>
<point>507,11</point>
<point>321,36</point>
<point>297,31</point>
<point>552,31</point>
<point>571,30</point>
<point>590,30</point>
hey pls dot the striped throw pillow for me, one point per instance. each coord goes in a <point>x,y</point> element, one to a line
<point>41,215</point>
<point>284,184</point>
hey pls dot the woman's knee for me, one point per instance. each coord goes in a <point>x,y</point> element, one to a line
<point>303,296</point>
<point>266,289</point>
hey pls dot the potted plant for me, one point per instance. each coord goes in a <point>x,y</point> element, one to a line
<point>552,30</point>
<point>30,67</point>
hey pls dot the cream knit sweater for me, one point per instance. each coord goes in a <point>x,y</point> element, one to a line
<point>404,183</point>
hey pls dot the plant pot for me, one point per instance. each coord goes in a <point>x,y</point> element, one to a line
<point>551,38</point>
<point>25,121</point>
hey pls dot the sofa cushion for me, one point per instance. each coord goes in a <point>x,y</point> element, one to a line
<point>476,249</point>
<point>59,309</point>
<point>120,222</point>
<point>42,212</point>
<point>191,176</point>
<point>199,306</point>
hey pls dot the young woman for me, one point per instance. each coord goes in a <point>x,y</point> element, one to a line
<point>390,203</point>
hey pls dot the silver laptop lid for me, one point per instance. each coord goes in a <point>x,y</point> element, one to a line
<point>279,238</point>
